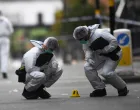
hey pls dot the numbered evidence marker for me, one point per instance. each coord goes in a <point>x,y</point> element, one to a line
<point>75,93</point>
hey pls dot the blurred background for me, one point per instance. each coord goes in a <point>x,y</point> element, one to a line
<point>38,19</point>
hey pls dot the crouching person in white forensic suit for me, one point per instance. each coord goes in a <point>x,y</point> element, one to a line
<point>39,69</point>
<point>101,52</point>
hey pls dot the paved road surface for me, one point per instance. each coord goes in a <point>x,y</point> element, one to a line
<point>72,78</point>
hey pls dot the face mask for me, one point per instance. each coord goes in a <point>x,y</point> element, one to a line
<point>48,51</point>
<point>83,42</point>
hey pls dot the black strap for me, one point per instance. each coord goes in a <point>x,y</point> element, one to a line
<point>43,59</point>
<point>99,43</point>
<point>115,51</point>
<point>112,55</point>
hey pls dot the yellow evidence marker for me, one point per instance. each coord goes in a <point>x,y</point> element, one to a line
<point>75,93</point>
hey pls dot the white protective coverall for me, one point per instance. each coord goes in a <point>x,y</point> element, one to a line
<point>35,77</point>
<point>95,61</point>
<point>6,29</point>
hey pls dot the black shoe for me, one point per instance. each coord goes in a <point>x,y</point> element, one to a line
<point>123,92</point>
<point>4,75</point>
<point>42,93</point>
<point>98,93</point>
<point>30,95</point>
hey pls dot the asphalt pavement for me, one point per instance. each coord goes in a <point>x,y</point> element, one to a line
<point>73,78</point>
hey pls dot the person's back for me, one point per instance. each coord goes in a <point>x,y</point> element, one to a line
<point>5,26</point>
<point>30,57</point>
<point>32,52</point>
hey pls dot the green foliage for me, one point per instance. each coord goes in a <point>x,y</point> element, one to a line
<point>70,26</point>
<point>80,10</point>
<point>62,43</point>
<point>17,43</point>
<point>74,8</point>
<point>16,39</point>
<point>56,28</point>
<point>38,33</point>
<point>20,40</point>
